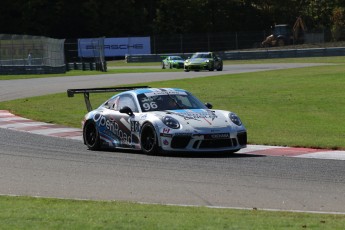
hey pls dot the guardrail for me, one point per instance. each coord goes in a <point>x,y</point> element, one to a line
<point>247,55</point>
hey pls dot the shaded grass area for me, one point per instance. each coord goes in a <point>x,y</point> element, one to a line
<point>42,213</point>
<point>301,107</point>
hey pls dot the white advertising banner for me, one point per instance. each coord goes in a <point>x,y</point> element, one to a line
<point>115,46</point>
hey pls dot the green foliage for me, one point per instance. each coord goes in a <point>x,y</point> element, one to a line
<point>115,18</point>
<point>338,28</point>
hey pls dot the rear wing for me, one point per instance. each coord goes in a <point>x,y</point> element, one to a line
<point>86,92</point>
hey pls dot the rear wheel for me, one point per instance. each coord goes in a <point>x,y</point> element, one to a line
<point>149,140</point>
<point>91,136</point>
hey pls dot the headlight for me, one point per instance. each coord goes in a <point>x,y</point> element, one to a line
<point>207,61</point>
<point>235,119</point>
<point>171,122</point>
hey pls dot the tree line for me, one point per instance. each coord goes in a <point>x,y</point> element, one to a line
<point>118,18</point>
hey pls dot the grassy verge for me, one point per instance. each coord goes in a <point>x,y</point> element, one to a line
<point>336,59</point>
<point>34,213</point>
<point>85,73</point>
<point>123,67</point>
<point>296,107</point>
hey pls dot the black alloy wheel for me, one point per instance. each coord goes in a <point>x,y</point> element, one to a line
<point>149,139</point>
<point>91,136</point>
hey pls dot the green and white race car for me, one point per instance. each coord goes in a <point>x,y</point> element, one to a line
<point>172,62</point>
<point>203,61</point>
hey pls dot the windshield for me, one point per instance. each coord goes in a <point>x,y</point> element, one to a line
<point>201,55</point>
<point>176,58</point>
<point>172,100</point>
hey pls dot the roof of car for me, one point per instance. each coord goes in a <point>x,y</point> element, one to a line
<point>152,90</point>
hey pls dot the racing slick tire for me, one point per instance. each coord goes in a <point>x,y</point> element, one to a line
<point>211,68</point>
<point>148,139</point>
<point>91,136</point>
<point>220,68</point>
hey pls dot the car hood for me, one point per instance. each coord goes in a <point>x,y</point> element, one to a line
<point>198,119</point>
<point>198,60</point>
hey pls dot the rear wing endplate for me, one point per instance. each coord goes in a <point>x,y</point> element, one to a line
<point>86,92</point>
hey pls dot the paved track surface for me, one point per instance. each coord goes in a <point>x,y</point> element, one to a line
<point>40,165</point>
<point>37,165</point>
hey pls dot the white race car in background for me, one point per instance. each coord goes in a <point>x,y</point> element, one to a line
<point>158,120</point>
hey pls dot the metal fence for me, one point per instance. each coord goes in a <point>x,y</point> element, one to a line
<point>189,43</point>
<point>25,54</point>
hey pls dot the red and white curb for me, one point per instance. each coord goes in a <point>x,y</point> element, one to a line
<point>10,121</point>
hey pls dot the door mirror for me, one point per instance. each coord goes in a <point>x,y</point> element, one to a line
<point>208,105</point>
<point>126,110</point>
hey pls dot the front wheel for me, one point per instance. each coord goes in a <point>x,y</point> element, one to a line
<point>220,68</point>
<point>91,136</point>
<point>148,139</point>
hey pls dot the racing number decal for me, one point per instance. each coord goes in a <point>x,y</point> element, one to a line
<point>148,106</point>
<point>135,126</point>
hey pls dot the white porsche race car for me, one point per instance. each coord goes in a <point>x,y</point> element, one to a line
<point>156,120</point>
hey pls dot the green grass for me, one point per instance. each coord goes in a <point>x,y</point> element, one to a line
<point>41,213</point>
<point>85,73</point>
<point>123,67</point>
<point>335,59</point>
<point>301,107</point>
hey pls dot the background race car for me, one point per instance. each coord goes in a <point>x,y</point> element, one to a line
<point>157,120</point>
<point>203,61</point>
<point>173,62</point>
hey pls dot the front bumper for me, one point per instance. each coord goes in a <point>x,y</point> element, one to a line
<point>204,142</point>
<point>199,66</point>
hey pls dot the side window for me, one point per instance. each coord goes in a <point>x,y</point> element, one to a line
<point>127,100</point>
<point>111,103</point>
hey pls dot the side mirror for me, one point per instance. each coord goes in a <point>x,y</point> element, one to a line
<point>127,110</point>
<point>208,105</point>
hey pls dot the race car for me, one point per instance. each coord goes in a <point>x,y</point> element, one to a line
<point>203,61</point>
<point>172,62</point>
<point>159,120</point>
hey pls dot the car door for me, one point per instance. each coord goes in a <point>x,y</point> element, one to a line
<point>126,126</point>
